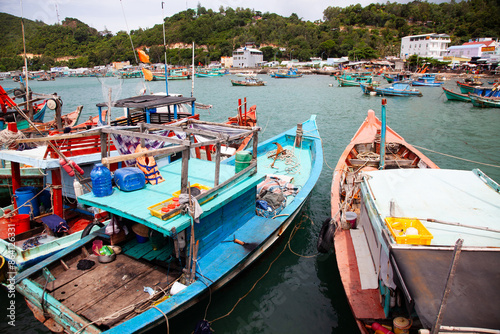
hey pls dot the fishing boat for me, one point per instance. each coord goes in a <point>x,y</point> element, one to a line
<point>250,82</point>
<point>484,102</point>
<point>397,77</point>
<point>428,80</point>
<point>493,91</point>
<point>249,74</point>
<point>455,96</point>
<point>232,233</point>
<point>399,218</point>
<point>354,79</point>
<point>290,74</point>
<point>465,88</point>
<point>395,89</point>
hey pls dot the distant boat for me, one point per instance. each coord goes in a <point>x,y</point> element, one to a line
<point>291,73</point>
<point>428,80</point>
<point>248,82</point>
<point>246,74</point>
<point>396,89</point>
<point>397,77</point>
<point>354,79</point>
<point>455,96</point>
<point>484,102</point>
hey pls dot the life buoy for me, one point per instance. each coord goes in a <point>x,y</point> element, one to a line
<point>325,237</point>
<point>148,166</point>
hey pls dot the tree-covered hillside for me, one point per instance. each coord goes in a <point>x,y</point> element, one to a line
<point>355,31</point>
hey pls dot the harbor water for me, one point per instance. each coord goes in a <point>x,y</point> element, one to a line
<point>298,291</point>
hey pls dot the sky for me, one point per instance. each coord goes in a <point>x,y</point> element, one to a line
<point>116,15</point>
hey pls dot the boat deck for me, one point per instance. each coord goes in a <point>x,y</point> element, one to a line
<point>457,197</point>
<point>108,287</point>
<point>134,207</point>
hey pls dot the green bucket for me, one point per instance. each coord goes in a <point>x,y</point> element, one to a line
<point>242,160</point>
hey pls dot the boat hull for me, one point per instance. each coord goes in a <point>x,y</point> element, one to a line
<point>451,95</point>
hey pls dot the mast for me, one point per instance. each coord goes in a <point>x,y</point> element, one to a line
<point>28,104</point>
<point>382,136</point>
<point>192,73</point>
<point>165,48</point>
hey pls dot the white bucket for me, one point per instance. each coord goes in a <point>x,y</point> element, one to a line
<point>176,288</point>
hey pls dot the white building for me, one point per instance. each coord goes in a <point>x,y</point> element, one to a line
<point>247,57</point>
<point>485,48</point>
<point>428,45</point>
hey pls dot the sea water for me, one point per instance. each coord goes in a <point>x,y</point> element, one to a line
<point>299,294</point>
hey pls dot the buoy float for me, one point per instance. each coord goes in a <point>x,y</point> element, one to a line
<point>78,168</point>
<point>66,167</point>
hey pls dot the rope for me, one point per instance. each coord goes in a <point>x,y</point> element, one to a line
<point>455,157</point>
<point>288,158</point>
<point>166,318</point>
<point>28,203</point>
<point>370,156</point>
<point>8,138</point>
<point>294,231</point>
<point>287,245</point>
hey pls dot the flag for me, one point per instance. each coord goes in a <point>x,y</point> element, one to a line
<point>148,76</point>
<point>143,57</point>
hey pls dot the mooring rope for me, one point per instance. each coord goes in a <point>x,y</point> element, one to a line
<point>455,157</point>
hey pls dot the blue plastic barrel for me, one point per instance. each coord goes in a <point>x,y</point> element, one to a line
<point>101,181</point>
<point>27,195</point>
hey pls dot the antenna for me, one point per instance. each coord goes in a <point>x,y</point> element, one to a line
<point>57,14</point>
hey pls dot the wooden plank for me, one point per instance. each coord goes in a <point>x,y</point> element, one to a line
<point>129,294</point>
<point>60,137</point>
<point>133,156</point>
<point>98,283</point>
<point>146,136</point>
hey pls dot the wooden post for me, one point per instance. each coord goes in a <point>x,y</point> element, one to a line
<point>298,137</point>
<point>217,164</point>
<point>104,145</point>
<point>58,112</point>
<point>255,139</point>
<point>141,130</point>
<point>185,168</point>
<point>57,200</point>
<point>16,179</point>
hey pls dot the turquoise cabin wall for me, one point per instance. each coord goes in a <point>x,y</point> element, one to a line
<point>227,219</point>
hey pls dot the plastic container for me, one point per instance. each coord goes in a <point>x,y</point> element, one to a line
<point>21,222</point>
<point>101,181</point>
<point>401,325</point>
<point>4,224</point>
<point>351,218</point>
<point>129,179</point>
<point>399,226</point>
<point>26,195</point>
<point>242,160</point>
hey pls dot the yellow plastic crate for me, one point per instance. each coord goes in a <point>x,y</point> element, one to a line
<point>156,210</point>
<point>197,185</point>
<point>398,227</point>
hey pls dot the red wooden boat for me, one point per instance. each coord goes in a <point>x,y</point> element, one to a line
<point>363,154</point>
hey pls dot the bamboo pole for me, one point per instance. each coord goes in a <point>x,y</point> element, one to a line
<point>449,283</point>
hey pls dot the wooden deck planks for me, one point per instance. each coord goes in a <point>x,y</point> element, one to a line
<point>101,281</point>
<point>128,294</point>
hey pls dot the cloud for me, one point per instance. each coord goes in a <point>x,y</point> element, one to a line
<point>116,15</point>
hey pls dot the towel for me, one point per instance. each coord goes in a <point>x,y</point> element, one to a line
<point>184,198</point>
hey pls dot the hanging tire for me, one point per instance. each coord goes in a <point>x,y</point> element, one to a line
<point>325,238</point>
<point>86,230</point>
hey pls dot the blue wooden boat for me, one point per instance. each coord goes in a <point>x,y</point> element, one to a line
<point>428,80</point>
<point>196,258</point>
<point>492,91</point>
<point>397,77</point>
<point>290,74</point>
<point>396,89</point>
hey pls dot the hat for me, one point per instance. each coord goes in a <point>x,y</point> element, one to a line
<point>141,230</point>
